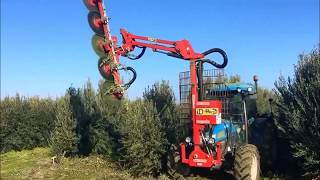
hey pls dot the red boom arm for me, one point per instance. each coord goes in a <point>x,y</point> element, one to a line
<point>181,49</point>
<point>99,22</point>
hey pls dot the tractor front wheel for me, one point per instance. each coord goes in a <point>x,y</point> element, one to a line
<point>247,163</point>
<point>175,167</point>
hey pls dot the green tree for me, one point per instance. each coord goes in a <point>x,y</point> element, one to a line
<point>85,111</point>
<point>64,140</point>
<point>25,122</point>
<point>144,144</point>
<point>262,101</point>
<point>105,123</point>
<point>162,97</point>
<point>234,79</point>
<point>298,111</point>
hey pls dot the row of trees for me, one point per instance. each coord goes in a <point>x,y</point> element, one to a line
<point>26,122</point>
<point>137,134</point>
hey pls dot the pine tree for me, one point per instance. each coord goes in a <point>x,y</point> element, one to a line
<point>162,97</point>
<point>11,120</point>
<point>234,79</point>
<point>298,111</point>
<point>144,144</point>
<point>105,124</point>
<point>25,122</point>
<point>90,114</point>
<point>64,140</point>
<point>263,104</point>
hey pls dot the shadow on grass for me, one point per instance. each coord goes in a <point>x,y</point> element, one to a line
<point>207,174</point>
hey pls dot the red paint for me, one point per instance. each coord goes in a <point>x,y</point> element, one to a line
<point>92,2</point>
<point>97,22</point>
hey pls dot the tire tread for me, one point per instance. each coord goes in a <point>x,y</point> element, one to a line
<point>242,162</point>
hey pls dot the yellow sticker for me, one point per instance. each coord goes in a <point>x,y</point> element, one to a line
<point>206,111</point>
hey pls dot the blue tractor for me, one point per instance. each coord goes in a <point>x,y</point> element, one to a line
<point>232,133</point>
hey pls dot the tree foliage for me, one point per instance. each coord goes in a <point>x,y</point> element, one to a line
<point>144,144</point>
<point>85,111</point>
<point>25,122</point>
<point>105,128</point>
<point>263,100</point>
<point>162,97</point>
<point>298,111</point>
<point>234,79</point>
<point>64,139</point>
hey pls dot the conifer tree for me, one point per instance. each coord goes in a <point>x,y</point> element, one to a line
<point>298,111</point>
<point>104,128</point>
<point>64,140</point>
<point>162,97</point>
<point>25,122</point>
<point>144,144</point>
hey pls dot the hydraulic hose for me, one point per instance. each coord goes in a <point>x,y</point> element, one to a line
<point>110,77</point>
<point>127,85</point>
<point>213,63</point>
<point>200,79</point>
<point>138,56</point>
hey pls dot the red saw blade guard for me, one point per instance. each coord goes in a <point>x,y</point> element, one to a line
<point>98,43</point>
<point>92,5</point>
<point>96,22</point>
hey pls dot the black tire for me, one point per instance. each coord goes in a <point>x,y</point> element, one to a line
<point>247,163</point>
<point>176,169</point>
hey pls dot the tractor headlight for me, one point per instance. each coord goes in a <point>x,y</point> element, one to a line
<point>188,140</point>
<point>249,89</point>
<point>211,141</point>
<point>238,90</point>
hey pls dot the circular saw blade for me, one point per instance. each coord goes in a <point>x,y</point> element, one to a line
<point>92,5</point>
<point>95,22</point>
<point>97,44</point>
<point>104,69</point>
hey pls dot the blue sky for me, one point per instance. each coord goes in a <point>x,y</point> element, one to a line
<point>46,45</point>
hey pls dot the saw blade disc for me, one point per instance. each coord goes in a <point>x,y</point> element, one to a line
<point>105,70</point>
<point>97,44</point>
<point>92,5</point>
<point>95,22</point>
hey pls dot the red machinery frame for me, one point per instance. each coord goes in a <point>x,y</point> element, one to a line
<point>180,49</point>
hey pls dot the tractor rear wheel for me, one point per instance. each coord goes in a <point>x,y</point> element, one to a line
<point>247,163</point>
<point>176,169</point>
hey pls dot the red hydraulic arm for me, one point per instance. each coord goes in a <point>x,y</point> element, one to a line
<point>99,22</point>
<point>109,66</point>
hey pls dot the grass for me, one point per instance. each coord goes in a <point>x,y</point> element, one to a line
<point>37,164</point>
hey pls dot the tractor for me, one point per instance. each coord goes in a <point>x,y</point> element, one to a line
<point>224,139</point>
<point>216,110</point>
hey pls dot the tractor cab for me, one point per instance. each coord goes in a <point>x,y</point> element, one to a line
<point>238,100</point>
<point>238,105</point>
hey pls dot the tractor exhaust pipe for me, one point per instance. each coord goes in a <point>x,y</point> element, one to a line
<point>255,79</point>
